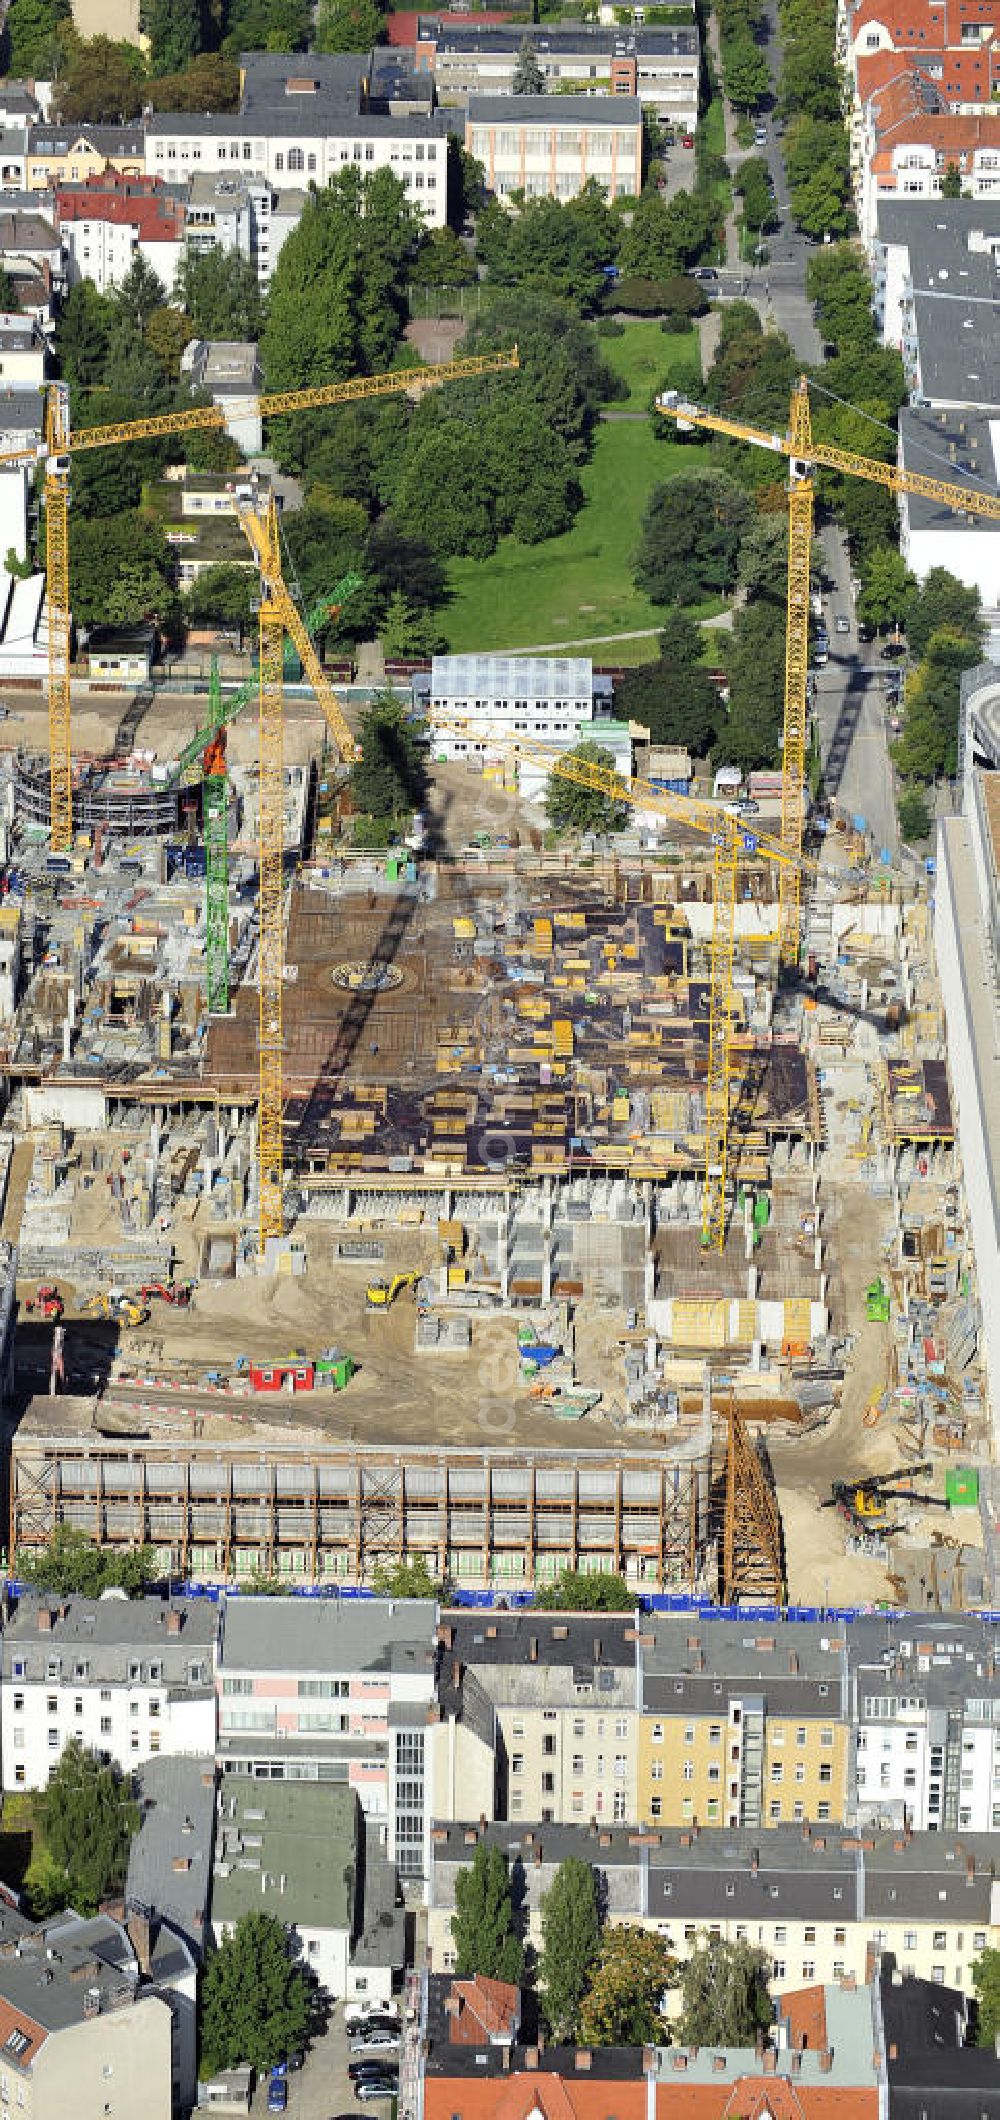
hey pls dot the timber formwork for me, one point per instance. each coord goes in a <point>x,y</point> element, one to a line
<point>219,1511</point>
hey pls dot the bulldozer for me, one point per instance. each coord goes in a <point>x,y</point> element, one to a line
<point>865,1503</point>
<point>379,1294</point>
<point>117,1308</point>
<point>47,1301</point>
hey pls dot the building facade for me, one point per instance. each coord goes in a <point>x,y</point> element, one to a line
<point>478,705</point>
<point>106,221</point>
<point>83,2032</point>
<point>659,66</point>
<point>549,147</point>
<point>129,1679</point>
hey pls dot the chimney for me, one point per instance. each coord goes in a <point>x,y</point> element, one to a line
<point>795,2062</point>
<point>597,1648</point>
<point>793,1664</point>
<point>456,1671</point>
<point>175,1620</point>
<point>970,1869</point>
<point>141,1938</point>
<point>181,1864</point>
<point>44,1619</point>
<point>754,1861</point>
<point>893,2050</point>
<point>583,2058</point>
<point>770,2062</point>
<point>826,2060</point>
<point>533,1649</point>
<point>531,2057</point>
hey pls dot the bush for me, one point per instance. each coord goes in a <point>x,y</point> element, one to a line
<point>638,297</point>
<point>914,816</point>
<point>610,328</point>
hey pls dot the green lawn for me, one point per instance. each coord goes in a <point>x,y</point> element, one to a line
<point>579,586</point>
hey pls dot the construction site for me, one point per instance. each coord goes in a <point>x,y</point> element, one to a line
<point>504,1207</point>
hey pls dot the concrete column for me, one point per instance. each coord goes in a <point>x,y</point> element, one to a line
<point>818,1254</point>
<point>822,1288</point>
<point>547,1266</point>
<point>753,1279</point>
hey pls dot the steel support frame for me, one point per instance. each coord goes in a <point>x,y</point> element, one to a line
<point>58,610</point>
<point>801,494</point>
<point>215,825</point>
<point>720,1005</point>
<point>752,1564</point>
<point>271,820</point>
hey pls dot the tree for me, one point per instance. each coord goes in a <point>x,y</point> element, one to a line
<point>8,292</point>
<point>167,333</point>
<point>691,537</point>
<point>751,733</point>
<point>529,80</point>
<point>443,261</point>
<point>677,702</point>
<point>574,808</point>
<point>574,1591</point>
<point>225,595</point>
<point>220,293</point>
<point>101,547</point>
<point>406,1579</point>
<point>389,778</point>
<point>571,1940</point>
<point>745,72</point>
<point>210,83</point>
<point>139,294</point>
<point>71,1565</point>
<point>135,594</point>
<point>406,631</point>
<point>809,81</point>
<point>914,816</point>
<point>942,603</point>
<point>174,31</point>
<point>88,1818</point>
<point>986,1981</point>
<point>821,203</point>
<point>255,2004</point>
<point>29,35</point>
<point>951,182</point>
<point>887,585</point>
<point>102,83</point>
<point>349,26</point>
<point>267,25</point>
<point>483,1925</point>
<point>624,2001</point>
<point>724,1994</point>
<point>86,320</point>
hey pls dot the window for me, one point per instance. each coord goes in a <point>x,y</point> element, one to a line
<point>579,1726</point>
<point>78,1704</point>
<point>18,1669</point>
<point>840,1935</point>
<point>621,1726</point>
<point>53,1736</point>
<point>775,1807</point>
<point>657,1733</point>
<point>578,1762</point>
<point>656,1806</point>
<point>909,1939</point>
<point>19,1773</point>
<point>517,1763</point>
<point>940,1940</point>
<point>619,1809</point>
<point>621,1766</point>
<point>800,1736</point>
<point>18,1703</point>
<point>778,1968</point>
<point>826,1771</point>
<point>154,1707</point>
<point>548,1784</point>
<point>823,1813</point>
<point>656,1771</point>
<point>809,1934</point>
<point>105,1693</point>
<point>808,1969</point>
<point>105,1725</point>
<point>715,1734</point>
<point>777,1770</point>
<point>689,1770</point>
<point>52,1704</point>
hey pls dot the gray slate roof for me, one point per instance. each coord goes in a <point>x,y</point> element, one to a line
<point>110,1630</point>
<point>591,111</point>
<point>177,1806</point>
<point>928,438</point>
<point>953,247</point>
<point>87,1954</point>
<point>327,1635</point>
<point>696,1666</point>
<point>561,40</point>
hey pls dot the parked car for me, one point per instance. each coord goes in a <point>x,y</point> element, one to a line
<point>277,2094</point>
<point>376,2087</point>
<point>687,139</point>
<point>892,650</point>
<point>704,272</point>
<point>359,2071</point>
<point>760,136</point>
<point>865,634</point>
<point>842,625</point>
<point>374,2042</point>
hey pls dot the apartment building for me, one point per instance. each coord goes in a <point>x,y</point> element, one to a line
<point>82,2031</point>
<point>106,221</point>
<point>906,140</point>
<point>67,154</point>
<point>301,121</point>
<point>474,703</point>
<point>549,147</point>
<point>338,1692</point>
<point>820,1904</point>
<point>925,1710</point>
<point>563,1689</point>
<point>130,1679</point>
<point>659,66</point>
<point>23,353</point>
<point>241,213</point>
<point>741,1725</point>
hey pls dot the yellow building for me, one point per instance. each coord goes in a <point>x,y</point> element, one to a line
<point>67,154</point>
<point>740,1728</point>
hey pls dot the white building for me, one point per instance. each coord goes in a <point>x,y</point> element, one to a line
<point>23,611</point>
<point>925,1708</point>
<point>961,444</point>
<point>967,939</point>
<point>478,705</point>
<point>23,352</point>
<point>549,147</point>
<point>241,213</point>
<point>103,232</point>
<point>228,372</point>
<point>661,66</point>
<point>130,1679</point>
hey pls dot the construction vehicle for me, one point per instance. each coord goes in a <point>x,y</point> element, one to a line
<point>380,1294</point>
<point>47,1301</point>
<point>866,1502</point>
<point>179,1293</point>
<point>877,1302</point>
<point>804,457</point>
<point>117,1308</point>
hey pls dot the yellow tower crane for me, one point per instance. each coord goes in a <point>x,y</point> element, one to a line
<point>278,615</point>
<point>805,455</point>
<point>731,842</point>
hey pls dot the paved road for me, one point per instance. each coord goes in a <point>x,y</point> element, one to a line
<point>850,711</point>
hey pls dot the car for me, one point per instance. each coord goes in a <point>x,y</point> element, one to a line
<point>376,2087</point>
<point>760,136</point>
<point>359,2070</point>
<point>374,2042</point>
<point>277,2094</point>
<point>704,272</point>
<point>865,634</point>
<point>842,625</point>
<point>821,657</point>
<point>747,807</point>
<point>687,139</point>
<point>892,650</point>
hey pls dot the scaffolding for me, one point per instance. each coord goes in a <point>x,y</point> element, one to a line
<point>215,824</point>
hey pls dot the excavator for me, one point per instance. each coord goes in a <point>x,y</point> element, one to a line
<point>379,1294</point>
<point>117,1308</point>
<point>865,1503</point>
<point>47,1301</point>
<point>177,1292</point>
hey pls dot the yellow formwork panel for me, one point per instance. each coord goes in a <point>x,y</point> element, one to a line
<point>747,1324</point>
<point>700,1322</point>
<point>798,1318</point>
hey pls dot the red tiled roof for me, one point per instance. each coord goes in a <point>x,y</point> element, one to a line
<point>555,2097</point>
<point>752,2097</point>
<point>950,134</point>
<point>963,77</point>
<point>402,27</point>
<point>805,2012</point>
<point>486,2008</point>
<point>914,26</point>
<point>128,202</point>
<point>16,2027</point>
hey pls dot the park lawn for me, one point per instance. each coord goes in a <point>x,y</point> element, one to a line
<point>579,586</point>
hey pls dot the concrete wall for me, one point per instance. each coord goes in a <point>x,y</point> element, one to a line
<point>968,987</point>
<point>118,2063</point>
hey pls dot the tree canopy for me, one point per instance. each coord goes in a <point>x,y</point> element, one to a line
<point>573,1591</point>
<point>724,1994</point>
<point>571,1936</point>
<point>528,78</point>
<point>624,1999</point>
<point>986,1982</point>
<point>406,1579</point>
<point>349,26</point>
<point>88,1817</point>
<point>691,537</point>
<point>219,291</point>
<point>389,779</point>
<point>255,2003</point>
<point>71,1565</point>
<point>486,1940</point>
<point>571,806</point>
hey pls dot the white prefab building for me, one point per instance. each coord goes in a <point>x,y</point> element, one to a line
<point>478,705</point>
<point>129,1679</point>
<point>967,441</point>
<point>925,1707</point>
<point>549,147</point>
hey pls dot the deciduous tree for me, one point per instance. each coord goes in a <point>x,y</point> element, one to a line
<point>572,807</point>
<point>574,1591</point>
<point>887,585</point>
<point>349,26</point>
<point>102,83</point>
<point>255,2003</point>
<point>986,1982</point>
<point>691,537</point>
<point>571,1936</point>
<point>623,2005</point>
<point>174,31</point>
<point>486,1940</point>
<point>71,1565</point>
<point>220,293</point>
<point>88,1817</point>
<point>724,1994</point>
<point>942,603</point>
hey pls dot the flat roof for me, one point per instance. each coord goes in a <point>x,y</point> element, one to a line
<point>327,1634</point>
<point>589,111</point>
<point>962,445</point>
<point>287,1848</point>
